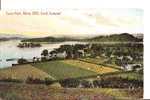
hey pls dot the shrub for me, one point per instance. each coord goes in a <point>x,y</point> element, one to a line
<point>70,83</point>
<point>22,61</point>
<point>86,84</point>
<point>30,80</point>
<point>48,81</point>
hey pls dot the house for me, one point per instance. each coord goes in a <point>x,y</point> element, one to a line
<point>112,56</point>
<point>36,59</point>
<point>130,67</point>
<point>81,52</point>
<point>120,57</point>
<point>61,54</point>
<point>130,58</point>
<point>103,55</point>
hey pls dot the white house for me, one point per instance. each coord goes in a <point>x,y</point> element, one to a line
<point>121,57</point>
<point>130,58</point>
<point>130,67</point>
<point>82,52</point>
<point>61,55</point>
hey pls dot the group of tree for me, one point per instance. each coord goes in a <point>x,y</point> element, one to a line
<point>114,51</point>
<point>46,81</point>
<point>111,82</point>
<point>27,45</point>
<point>71,51</point>
<point>22,61</point>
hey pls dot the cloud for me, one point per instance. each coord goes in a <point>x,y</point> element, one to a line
<point>74,22</point>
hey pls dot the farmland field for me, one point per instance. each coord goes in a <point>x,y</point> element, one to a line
<point>95,60</point>
<point>89,66</point>
<point>99,61</point>
<point>22,72</point>
<point>62,70</point>
<point>129,75</point>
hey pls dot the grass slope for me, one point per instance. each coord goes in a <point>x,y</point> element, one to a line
<point>129,75</point>
<point>91,67</point>
<point>22,72</point>
<point>62,70</point>
<point>100,61</point>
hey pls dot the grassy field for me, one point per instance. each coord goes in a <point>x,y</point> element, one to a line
<point>22,72</point>
<point>99,61</point>
<point>62,70</point>
<point>129,75</point>
<point>89,66</point>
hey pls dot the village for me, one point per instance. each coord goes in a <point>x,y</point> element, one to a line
<point>112,55</point>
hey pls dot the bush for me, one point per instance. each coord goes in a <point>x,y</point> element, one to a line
<point>22,61</point>
<point>48,81</point>
<point>86,84</point>
<point>70,83</point>
<point>117,82</point>
<point>30,80</point>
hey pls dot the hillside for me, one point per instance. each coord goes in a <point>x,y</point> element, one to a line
<point>4,39</point>
<point>11,38</point>
<point>49,39</point>
<point>22,72</point>
<point>7,37</point>
<point>124,37</point>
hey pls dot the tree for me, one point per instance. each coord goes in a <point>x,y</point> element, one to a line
<point>70,83</point>
<point>108,52</point>
<point>68,49</point>
<point>22,61</point>
<point>44,52</point>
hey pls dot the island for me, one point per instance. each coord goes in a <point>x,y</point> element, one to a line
<point>28,45</point>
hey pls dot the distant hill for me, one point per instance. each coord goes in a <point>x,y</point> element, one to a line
<point>10,38</point>
<point>124,37</point>
<point>3,39</point>
<point>49,39</point>
<point>6,37</point>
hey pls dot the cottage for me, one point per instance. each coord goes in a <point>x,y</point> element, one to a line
<point>112,56</point>
<point>130,58</point>
<point>130,67</point>
<point>81,52</point>
<point>36,59</point>
<point>120,57</point>
<point>61,55</point>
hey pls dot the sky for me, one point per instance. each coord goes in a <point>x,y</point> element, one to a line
<point>72,22</point>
